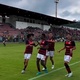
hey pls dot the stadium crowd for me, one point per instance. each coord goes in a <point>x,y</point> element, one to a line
<point>11,34</point>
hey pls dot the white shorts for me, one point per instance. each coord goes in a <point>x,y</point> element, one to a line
<point>50,53</point>
<point>67,58</point>
<point>27,56</point>
<point>40,56</point>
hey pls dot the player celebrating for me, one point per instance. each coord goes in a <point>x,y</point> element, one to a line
<point>69,46</point>
<point>28,50</point>
<point>50,51</point>
<point>42,54</point>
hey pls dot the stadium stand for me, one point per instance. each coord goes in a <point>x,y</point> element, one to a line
<point>61,32</point>
<point>7,31</point>
<point>11,33</point>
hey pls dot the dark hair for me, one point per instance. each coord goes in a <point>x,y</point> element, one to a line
<point>43,35</point>
<point>69,34</point>
<point>50,32</point>
<point>29,35</point>
<point>32,34</point>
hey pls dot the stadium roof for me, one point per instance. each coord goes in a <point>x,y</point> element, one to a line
<point>8,10</point>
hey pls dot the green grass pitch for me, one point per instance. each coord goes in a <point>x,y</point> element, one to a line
<point>11,63</point>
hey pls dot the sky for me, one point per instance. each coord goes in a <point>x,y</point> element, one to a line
<point>67,9</point>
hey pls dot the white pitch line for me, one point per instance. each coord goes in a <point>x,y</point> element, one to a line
<point>52,71</point>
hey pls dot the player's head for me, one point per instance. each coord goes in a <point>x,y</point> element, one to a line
<point>50,35</point>
<point>43,36</point>
<point>30,36</point>
<point>68,36</point>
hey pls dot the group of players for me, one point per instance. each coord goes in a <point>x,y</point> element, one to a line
<point>46,49</point>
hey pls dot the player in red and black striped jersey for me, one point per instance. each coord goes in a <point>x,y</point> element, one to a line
<point>51,49</point>
<point>28,50</point>
<point>42,54</point>
<point>69,46</point>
